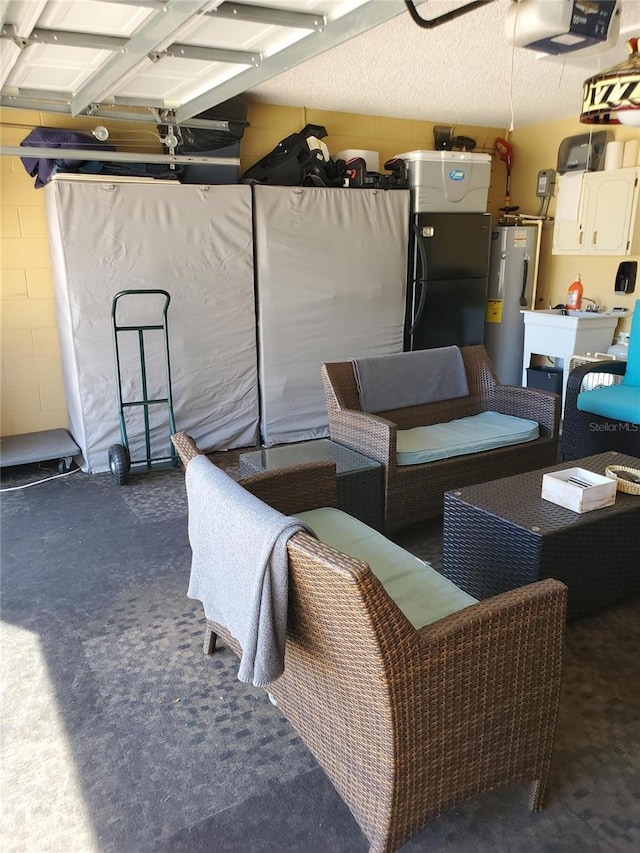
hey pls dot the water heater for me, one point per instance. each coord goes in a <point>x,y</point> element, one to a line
<point>563,26</point>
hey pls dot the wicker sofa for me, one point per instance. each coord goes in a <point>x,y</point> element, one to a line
<point>415,492</point>
<point>406,723</point>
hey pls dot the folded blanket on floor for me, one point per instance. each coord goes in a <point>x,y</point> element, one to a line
<point>404,379</point>
<point>239,568</point>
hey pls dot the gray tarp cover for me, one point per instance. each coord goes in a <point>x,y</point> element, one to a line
<point>331,272</point>
<point>193,241</point>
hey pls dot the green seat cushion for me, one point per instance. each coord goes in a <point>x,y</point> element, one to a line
<point>474,434</point>
<point>615,402</point>
<point>421,593</point>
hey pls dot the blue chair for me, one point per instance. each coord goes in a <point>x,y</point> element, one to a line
<point>606,417</point>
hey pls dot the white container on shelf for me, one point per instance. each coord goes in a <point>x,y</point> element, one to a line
<point>448,181</point>
<point>613,156</point>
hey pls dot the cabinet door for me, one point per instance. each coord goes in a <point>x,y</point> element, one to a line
<point>609,211</point>
<point>568,232</point>
<point>568,238</point>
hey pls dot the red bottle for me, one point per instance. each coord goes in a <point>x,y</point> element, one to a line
<point>574,295</point>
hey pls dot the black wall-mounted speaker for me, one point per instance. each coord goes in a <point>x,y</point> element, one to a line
<point>626,277</point>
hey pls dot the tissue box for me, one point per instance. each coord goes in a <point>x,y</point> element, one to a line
<point>578,489</point>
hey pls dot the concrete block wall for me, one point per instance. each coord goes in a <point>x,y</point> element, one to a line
<point>32,393</point>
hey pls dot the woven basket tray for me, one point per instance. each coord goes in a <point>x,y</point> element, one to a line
<point>622,484</point>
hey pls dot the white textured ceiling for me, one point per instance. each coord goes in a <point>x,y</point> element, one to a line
<point>184,56</point>
<point>461,72</point>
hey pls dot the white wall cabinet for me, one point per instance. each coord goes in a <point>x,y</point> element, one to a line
<point>606,222</point>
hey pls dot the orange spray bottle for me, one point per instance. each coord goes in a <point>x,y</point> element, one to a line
<point>574,295</point>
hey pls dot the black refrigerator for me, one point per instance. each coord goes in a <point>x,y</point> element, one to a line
<point>447,279</point>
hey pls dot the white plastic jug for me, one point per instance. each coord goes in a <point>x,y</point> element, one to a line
<point>621,347</point>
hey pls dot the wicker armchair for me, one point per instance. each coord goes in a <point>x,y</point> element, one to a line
<point>407,723</point>
<point>585,434</point>
<point>415,492</point>
<point>592,418</point>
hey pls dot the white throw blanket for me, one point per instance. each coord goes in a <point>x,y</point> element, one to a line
<point>403,379</point>
<point>239,568</point>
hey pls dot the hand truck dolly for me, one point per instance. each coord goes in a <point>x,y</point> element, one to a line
<point>120,461</point>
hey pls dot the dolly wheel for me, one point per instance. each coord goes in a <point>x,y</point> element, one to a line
<point>119,464</point>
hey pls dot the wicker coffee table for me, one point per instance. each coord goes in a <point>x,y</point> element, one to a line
<point>501,534</point>
<point>359,479</point>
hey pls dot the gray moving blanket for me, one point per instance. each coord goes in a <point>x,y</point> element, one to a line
<point>239,568</point>
<point>410,378</point>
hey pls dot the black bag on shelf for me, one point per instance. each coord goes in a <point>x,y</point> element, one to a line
<point>293,163</point>
<point>357,175</point>
<point>198,140</point>
<point>212,142</point>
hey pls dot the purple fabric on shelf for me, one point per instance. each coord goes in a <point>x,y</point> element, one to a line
<point>42,168</point>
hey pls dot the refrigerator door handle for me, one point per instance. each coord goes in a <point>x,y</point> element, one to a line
<point>421,301</point>
<point>525,275</point>
<point>421,281</point>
